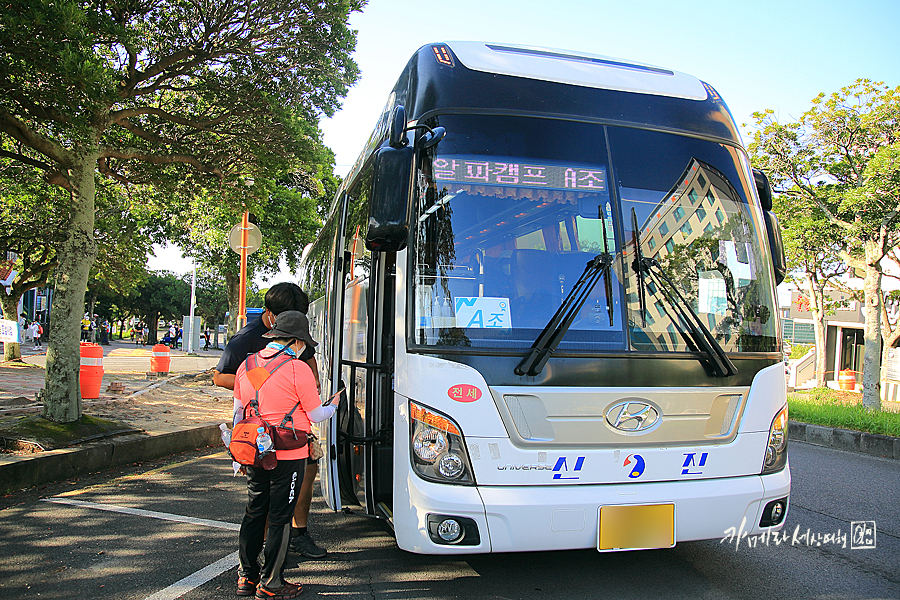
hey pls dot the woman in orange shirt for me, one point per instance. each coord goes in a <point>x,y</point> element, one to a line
<point>283,383</point>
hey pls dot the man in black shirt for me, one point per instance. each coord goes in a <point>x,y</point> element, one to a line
<point>249,340</point>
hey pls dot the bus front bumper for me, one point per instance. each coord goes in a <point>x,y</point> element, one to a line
<point>566,517</point>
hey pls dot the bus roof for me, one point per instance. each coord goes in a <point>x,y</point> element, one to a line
<point>504,79</point>
<point>487,78</point>
<point>577,68</point>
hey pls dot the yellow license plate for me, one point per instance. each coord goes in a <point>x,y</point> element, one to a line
<point>636,527</point>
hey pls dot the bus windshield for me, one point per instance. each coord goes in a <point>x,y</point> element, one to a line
<point>512,209</point>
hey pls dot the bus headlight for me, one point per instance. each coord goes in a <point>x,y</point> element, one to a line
<point>776,446</point>
<point>429,443</point>
<point>451,465</point>
<point>438,449</point>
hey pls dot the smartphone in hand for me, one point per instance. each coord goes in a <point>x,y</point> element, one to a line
<point>333,396</point>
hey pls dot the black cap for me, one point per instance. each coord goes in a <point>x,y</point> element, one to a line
<point>291,324</point>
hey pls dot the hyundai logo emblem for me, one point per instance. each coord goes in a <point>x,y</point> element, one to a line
<point>632,416</point>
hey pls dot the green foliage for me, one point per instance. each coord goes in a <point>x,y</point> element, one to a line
<point>185,96</point>
<point>256,298</point>
<point>830,408</point>
<point>212,296</point>
<point>837,164</point>
<point>162,295</point>
<point>837,168</point>
<point>800,350</point>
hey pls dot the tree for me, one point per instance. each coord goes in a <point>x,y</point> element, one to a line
<point>841,157</point>
<point>812,248</point>
<point>285,209</point>
<point>157,92</point>
<point>31,217</point>
<point>212,300</point>
<point>163,296</point>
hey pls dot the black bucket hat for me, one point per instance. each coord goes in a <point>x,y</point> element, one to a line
<point>291,324</point>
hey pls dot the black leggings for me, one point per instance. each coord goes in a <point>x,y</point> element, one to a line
<point>273,495</point>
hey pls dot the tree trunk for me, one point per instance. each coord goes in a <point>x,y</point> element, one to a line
<point>62,394</point>
<point>10,304</point>
<point>153,326</point>
<point>872,312</point>
<point>817,306</point>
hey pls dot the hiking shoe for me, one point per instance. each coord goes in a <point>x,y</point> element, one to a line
<point>247,586</point>
<point>305,546</point>
<point>285,592</point>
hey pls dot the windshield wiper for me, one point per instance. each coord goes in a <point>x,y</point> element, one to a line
<point>553,333</point>
<point>636,265</point>
<point>699,333</point>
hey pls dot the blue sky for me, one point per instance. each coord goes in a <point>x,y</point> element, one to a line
<point>758,55</point>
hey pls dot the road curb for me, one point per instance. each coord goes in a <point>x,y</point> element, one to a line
<point>19,472</point>
<point>848,440</point>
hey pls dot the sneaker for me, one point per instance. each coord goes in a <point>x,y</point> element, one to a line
<point>305,546</point>
<point>247,586</point>
<point>285,592</point>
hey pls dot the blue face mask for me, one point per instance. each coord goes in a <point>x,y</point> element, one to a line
<point>279,347</point>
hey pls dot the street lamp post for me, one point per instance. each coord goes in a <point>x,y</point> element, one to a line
<point>242,293</point>
<point>190,342</point>
<point>244,239</point>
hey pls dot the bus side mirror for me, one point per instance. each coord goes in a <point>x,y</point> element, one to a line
<point>773,228</point>
<point>763,188</point>
<point>392,193</point>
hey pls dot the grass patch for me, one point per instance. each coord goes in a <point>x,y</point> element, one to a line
<point>834,408</point>
<point>50,434</point>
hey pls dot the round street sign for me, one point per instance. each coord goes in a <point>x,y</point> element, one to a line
<point>254,238</point>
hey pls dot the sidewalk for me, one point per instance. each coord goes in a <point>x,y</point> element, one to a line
<point>174,414</point>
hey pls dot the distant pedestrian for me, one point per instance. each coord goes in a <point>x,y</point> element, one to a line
<point>173,336</point>
<point>36,330</point>
<point>206,339</point>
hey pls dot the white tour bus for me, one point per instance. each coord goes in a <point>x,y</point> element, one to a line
<point>548,287</point>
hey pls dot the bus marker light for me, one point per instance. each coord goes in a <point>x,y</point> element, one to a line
<point>442,55</point>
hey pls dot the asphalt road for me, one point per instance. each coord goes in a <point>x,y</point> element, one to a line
<point>168,530</point>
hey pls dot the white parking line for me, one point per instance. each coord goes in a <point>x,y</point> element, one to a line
<point>146,513</point>
<point>180,588</point>
<point>194,580</point>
